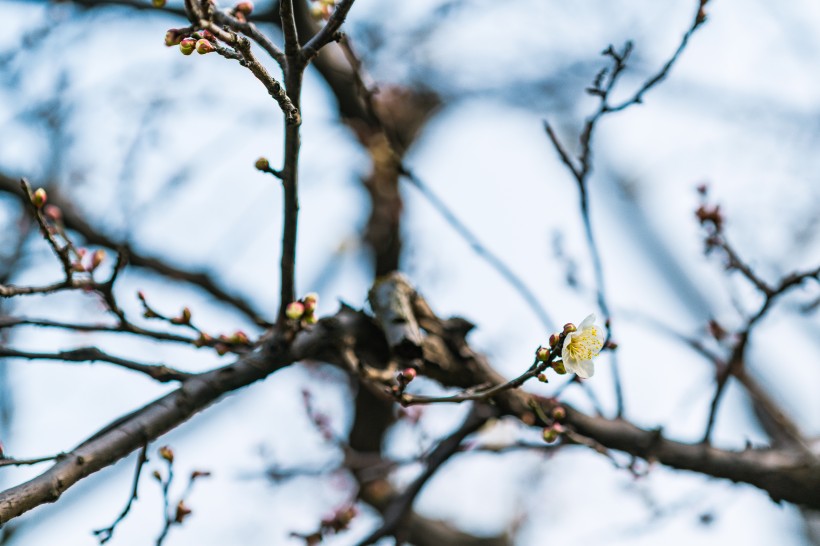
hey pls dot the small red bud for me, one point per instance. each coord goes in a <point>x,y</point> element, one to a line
<point>310,302</point>
<point>187,46</point>
<point>554,339</point>
<point>559,413</point>
<point>204,46</point>
<point>221,349</point>
<point>53,213</point>
<point>295,310</point>
<point>39,198</point>
<point>244,8</point>
<point>409,374</point>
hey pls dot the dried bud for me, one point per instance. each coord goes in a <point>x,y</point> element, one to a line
<point>173,37</point>
<point>262,164</point>
<point>158,3</point>
<point>559,413</point>
<point>559,367</point>
<point>542,354</point>
<point>554,339</point>
<point>244,8</point>
<point>311,301</point>
<point>53,213</point>
<point>204,46</point>
<point>408,374</point>
<point>569,328</point>
<point>97,258</point>
<point>182,512</point>
<point>166,453</point>
<point>39,198</point>
<point>187,46</point>
<point>295,310</point>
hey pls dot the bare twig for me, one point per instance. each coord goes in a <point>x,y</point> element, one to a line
<point>107,533</point>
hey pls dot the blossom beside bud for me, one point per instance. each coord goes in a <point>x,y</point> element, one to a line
<point>559,367</point>
<point>581,345</point>
<point>187,46</point>
<point>204,46</point>
<point>295,310</point>
<point>569,328</point>
<point>39,198</point>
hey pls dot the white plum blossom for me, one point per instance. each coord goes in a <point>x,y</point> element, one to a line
<point>581,346</point>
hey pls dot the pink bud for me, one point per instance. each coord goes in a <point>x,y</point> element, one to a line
<point>187,46</point>
<point>204,46</point>
<point>39,198</point>
<point>409,374</point>
<point>310,301</point>
<point>53,213</point>
<point>559,413</point>
<point>244,8</point>
<point>295,310</point>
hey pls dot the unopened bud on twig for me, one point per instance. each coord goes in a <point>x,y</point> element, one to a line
<point>542,354</point>
<point>204,46</point>
<point>187,46</point>
<point>166,453</point>
<point>295,310</point>
<point>39,198</point>
<point>173,37</point>
<point>262,164</point>
<point>244,8</point>
<point>96,259</point>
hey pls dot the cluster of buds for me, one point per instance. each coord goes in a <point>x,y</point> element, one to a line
<point>225,342</point>
<point>322,9</point>
<point>88,262</point>
<point>303,310</point>
<point>242,11</point>
<point>201,41</point>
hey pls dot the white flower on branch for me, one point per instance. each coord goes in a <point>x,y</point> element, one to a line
<point>582,345</point>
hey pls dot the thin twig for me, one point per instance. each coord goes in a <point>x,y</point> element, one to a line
<point>106,534</point>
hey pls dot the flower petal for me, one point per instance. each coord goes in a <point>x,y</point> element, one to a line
<point>587,322</point>
<point>584,368</point>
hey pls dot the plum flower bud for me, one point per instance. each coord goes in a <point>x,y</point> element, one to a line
<point>408,374</point>
<point>96,259</point>
<point>559,413</point>
<point>310,318</point>
<point>262,164</point>
<point>53,213</point>
<point>542,378</point>
<point>173,37</point>
<point>569,328</point>
<point>295,310</point>
<point>158,3</point>
<point>542,354</point>
<point>310,302</point>
<point>581,346</point>
<point>550,435</point>
<point>187,46</point>
<point>244,8</point>
<point>204,46</point>
<point>559,367</point>
<point>553,340</point>
<point>39,198</point>
<point>166,453</point>
<point>182,512</point>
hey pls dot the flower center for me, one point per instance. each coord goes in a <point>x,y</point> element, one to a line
<point>585,345</point>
